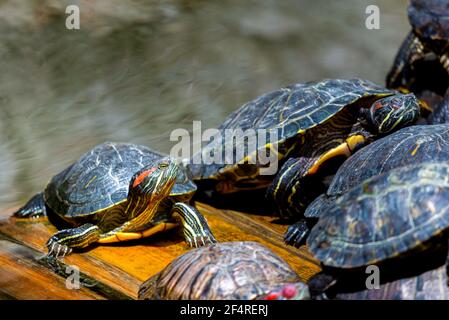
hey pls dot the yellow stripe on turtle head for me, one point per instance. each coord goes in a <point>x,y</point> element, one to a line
<point>424,106</point>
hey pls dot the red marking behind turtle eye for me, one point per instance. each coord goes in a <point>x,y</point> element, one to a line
<point>378,106</point>
<point>142,176</point>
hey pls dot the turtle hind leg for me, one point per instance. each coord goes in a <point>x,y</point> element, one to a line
<point>296,235</point>
<point>286,191</point>
<point>62,242</point>
<point>195,227</point>
<point>34,208</point>
<point>319,284</point>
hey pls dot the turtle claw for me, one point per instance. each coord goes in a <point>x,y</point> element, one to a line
<point>201,241</point>
<point>56,249</point>
<point>297,233</point>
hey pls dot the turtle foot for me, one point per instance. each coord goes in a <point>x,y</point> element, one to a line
<point>200,241</point>
<point>62,242</point>
<point>297,233</point>
<point>56,249</point>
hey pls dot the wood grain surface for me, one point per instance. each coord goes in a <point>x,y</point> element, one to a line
<point>116,271</point>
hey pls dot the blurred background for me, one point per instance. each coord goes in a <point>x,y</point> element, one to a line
<point>138,69</point>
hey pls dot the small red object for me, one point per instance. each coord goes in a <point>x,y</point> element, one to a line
<point>289,291</point>
<point>272,296</point>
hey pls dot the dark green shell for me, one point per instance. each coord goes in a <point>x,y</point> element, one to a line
<point>290,111</point>
<point>430,19</point>
<point>383,217</point>
<point>408,146</point>
<point>231,271</point>
<point>100,179</point>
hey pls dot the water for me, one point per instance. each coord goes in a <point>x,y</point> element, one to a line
<point>136,70</point>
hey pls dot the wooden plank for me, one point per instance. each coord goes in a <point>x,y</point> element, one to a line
<point>36,233</point>
<point>244,227</point>
<point>21,276</point>
<point>124,266</point>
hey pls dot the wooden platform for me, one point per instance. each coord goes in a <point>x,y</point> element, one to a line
<point>116,271</point>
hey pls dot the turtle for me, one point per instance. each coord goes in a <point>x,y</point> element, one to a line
<point>117,192</point>
<point>223,271</point>
<point>401,213</point>
<point>407,146</point>
<point>304,127</point>
<point>441,113</point>
<point>429,285</point>
<point>422,61</point>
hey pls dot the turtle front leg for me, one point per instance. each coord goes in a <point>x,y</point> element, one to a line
<point>62,242</point>
<point>34,208</point>
<point>287,192</point>
<point>411,50</point>
<point>400,75</point>
<point>195,228</point>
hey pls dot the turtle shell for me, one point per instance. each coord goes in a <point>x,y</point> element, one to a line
<point>430,19</point>
<point>430,285</point>
<point>408,146</point>
<point>100,179</point>
<point>232,270</point>
<point>288,111</point>
<point>383,217</point>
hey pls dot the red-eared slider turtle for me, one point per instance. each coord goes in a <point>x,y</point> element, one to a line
<point>402,212</point>
<point>303,126</point>
<point>223,271</point>
<point>118,192</point>
<point>429,37</point>
<point>408,146</point>
<point>430,285</point>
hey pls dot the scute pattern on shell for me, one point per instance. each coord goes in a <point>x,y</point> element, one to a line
<point>383,217</point>
<point>295,108</point>
<point>100,179</point>
<point>233,270</point>
<point>430,285</point>
<point>408,146</point>
<point>430,18</point>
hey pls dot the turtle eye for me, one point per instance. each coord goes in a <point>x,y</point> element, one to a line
<point>163,165</point>
<point>396,103</point>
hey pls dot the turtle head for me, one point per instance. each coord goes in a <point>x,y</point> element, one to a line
<point>393,112</point>
<point>156,180</point>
